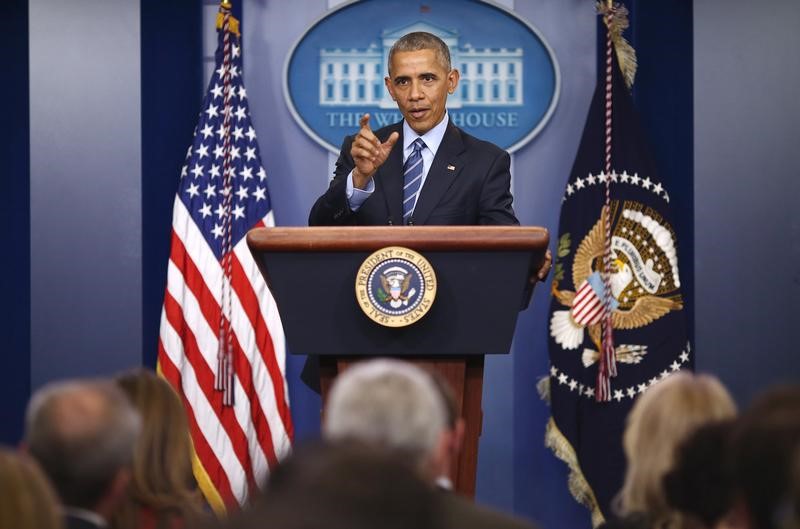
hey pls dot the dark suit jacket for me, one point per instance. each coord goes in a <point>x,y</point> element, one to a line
<point>467,184</point>
<point>459,513</point>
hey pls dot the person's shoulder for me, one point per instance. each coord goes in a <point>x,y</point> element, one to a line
<point>461,513</point>
<point>475,143</point>
<point>631,521</point>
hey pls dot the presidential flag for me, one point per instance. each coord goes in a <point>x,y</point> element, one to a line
<point>617,324</point>
<point>221,343</point>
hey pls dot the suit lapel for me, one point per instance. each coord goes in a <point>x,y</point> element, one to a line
<point>391,179</point>
<point>443,172</point>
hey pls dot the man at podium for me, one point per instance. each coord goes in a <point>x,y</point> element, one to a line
<point>436,175</point>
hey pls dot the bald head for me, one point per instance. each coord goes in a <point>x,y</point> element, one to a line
<point>82,433</point>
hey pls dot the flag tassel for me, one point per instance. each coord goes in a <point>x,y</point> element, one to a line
<point>607,369</point>
<point>225,371</point>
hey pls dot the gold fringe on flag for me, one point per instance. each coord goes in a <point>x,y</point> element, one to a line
<point>543,387</point>
<point>578,486</point>
<point>617,23</point>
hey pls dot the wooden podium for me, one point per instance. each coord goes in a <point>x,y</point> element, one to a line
<point>482,274</point>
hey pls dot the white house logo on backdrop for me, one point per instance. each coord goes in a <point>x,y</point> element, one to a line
<point>509,76</point>
<point>500,84</point>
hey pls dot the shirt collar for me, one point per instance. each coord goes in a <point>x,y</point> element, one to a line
<point>444,483</point>
<point>84,514</point>
<point>432,138</point>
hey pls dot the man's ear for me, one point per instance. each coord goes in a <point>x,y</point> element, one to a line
<point>458,435</point>
<point>439,459</point>
<point>116,491</point>
<point>388,82</point>
<point>452,80</point>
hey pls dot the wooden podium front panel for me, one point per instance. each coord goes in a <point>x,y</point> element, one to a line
<point>465,376</point>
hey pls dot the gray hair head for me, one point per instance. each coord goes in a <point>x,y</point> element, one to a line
<point>422,40</point>
<point>82,433</point>
<point>388,403</point>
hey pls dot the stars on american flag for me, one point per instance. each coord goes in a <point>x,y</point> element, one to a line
<point>202,186</point>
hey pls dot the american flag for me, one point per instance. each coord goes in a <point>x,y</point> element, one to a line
<point>218,310</point>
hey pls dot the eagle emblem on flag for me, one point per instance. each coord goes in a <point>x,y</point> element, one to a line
<point>644,282</point>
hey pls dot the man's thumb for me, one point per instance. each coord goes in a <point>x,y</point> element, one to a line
<point>391,140</point>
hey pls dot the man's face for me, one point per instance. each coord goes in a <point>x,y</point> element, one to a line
<point>420,84</point>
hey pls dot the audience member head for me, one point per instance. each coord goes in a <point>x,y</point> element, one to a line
<point>392,404</point>
<point>162,481</point>
<point>27,501</point>
<point>701,482</point>
<point>765,442</point>
<point>347,485</point>
<point>82,434</point>
<point>662,418</point>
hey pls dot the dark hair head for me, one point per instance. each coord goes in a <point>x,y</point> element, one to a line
<point>421,40</point>
<point>701,480</point>
<point>764,444</point>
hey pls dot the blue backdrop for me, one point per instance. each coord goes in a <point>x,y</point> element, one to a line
<point>104,95</point>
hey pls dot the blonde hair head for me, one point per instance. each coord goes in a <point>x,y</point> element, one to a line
<point>27,501</point>
<point>661,418</point>
<point>162,479</point>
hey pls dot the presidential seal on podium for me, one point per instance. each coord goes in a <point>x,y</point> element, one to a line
<point>395,286</point>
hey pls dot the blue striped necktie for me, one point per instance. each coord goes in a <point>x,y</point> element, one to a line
<point>412,179</point>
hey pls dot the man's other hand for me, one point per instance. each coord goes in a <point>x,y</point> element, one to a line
<point>541,274</point>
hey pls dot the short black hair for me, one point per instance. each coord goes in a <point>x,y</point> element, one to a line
<point>422,40</point>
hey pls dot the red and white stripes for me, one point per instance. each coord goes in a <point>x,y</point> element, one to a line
<point>587,308</point>
<point>237,445</point>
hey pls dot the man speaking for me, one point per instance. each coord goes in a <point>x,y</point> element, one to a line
<point>437,175</point>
